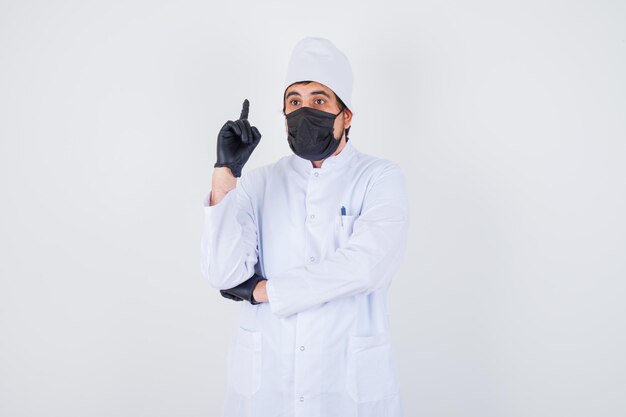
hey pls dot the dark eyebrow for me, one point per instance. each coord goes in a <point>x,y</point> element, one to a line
<point>321,92</point>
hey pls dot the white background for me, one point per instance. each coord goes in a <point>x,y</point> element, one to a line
<point>508,118</point>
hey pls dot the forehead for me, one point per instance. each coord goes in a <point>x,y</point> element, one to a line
<point>305,89</point>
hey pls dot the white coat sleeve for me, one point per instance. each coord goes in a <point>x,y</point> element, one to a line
<point>229,239</point>
<point>368,261</point>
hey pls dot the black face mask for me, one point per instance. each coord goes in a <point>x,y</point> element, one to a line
<point>310,133</point>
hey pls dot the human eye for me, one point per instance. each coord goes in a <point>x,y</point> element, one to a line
<point>320,101</point>
<point>294,102</point>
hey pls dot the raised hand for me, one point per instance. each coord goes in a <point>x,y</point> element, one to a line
<point>236,141</point>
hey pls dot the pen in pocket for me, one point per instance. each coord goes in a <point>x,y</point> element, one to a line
<point>343,213</point>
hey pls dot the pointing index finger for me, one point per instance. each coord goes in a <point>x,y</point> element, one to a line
<point>244,110</point>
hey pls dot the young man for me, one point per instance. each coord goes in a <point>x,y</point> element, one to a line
<point>312,243</point>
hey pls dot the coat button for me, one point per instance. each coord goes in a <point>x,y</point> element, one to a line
<point>311,259</point>
<point>301,347</point>
<point>312,216</point>
<point>317,174</point>
<point>301,399</point>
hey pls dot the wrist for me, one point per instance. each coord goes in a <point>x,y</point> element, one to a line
<point>222,182</point>
<point>259,295</point>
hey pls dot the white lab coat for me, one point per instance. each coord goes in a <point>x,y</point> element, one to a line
<point>322,346</point>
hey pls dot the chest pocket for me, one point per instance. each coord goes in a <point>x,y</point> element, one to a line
<point>343,229</point>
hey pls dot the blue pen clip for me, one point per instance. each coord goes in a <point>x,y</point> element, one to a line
<point>343,213</point>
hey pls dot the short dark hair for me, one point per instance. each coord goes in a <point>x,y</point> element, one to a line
<point>342,106</point>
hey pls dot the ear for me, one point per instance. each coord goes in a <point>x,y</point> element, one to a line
<point>347,117</point>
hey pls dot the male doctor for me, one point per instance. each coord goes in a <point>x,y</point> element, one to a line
<point>311,243</point>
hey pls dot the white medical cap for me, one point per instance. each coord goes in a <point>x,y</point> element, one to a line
<point>319,60</point>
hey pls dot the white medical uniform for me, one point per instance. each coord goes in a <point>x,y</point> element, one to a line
<point>322,346</point>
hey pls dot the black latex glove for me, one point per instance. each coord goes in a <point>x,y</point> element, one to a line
<point>236,141</point>
<point>244,291</point>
